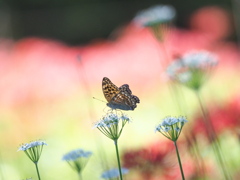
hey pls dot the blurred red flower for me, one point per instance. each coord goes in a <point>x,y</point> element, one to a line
<point>223,118</point>
<point>148,160</point>
<point>212,20</point>
<point>157,161</point>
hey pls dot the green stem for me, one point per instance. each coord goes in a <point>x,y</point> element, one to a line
<point>1,170</point>
<point>80,176</point>
<point>196,147</point>
<point>179,160</point>
<point>213,137</point>
<point>37,170</point>
<point>197,155</point>
<point>118,159</point>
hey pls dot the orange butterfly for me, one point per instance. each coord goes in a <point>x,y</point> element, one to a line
<point>119,98</point>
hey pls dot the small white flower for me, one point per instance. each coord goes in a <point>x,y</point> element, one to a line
<point>182,119</point>
<point>192,69</point>
<point>192,60</point>
<point>108,121</point>
<point>111,119</point>
<point>171,127</point>
<point>113,173</point>
<point>33,150</point>
<point>32,144</point>
<point>77,159</point>
<point>109,124</point>
<point>168,121</point>
<point>185,77</point>
<point>155,15</point>
<point>199,59</point>
<point>75,154</point>
<point>166,129</point>
<point>124,117</point>
<point>178,129</point>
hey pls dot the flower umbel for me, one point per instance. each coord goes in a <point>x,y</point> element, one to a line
<point>171,127</point>
<point>192,69</point>
<point>113,173</point>
<point>77,159</point>
<point>155,15</point>
<point>157,18</point>
<point>111,125</point>
<point>33,150</point>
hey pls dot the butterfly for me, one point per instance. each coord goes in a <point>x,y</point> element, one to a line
<point>119,98</point>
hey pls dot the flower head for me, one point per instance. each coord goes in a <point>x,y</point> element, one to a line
<point>157,18</point>
<point>155,15</point>
<point>171,127</point>
<point>77,159</point>
<point>109,124</point>
<point>113,173</point>
<point>192,69</point>
<point>33,149</point>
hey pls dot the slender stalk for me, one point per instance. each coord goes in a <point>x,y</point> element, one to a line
<point>197,156</point>
<point>118,159</point>
<point>196,147</point>
<point>213,137</point>
<point>80,176</point>
<point>37,170</point>
<point>1,168</point>
<point>179,160</point>
<point>235,8</point>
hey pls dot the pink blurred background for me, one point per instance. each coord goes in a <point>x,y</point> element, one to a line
<point>46,91</point>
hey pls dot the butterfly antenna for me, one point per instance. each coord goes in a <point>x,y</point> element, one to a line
<point>99,100</point>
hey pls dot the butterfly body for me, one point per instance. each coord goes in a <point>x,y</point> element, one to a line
<point>119,98</point>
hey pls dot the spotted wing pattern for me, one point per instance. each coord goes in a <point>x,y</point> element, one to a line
<point>119,98</point>
<point>109,89</point>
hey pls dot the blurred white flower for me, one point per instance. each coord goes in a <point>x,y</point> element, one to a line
<point>113,173</point>
<point>192,69</point>
<point>75,154</point>
<point>155,15</point>
<point>77,159</point>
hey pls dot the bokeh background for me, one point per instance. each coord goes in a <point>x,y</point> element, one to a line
<point>53,56</point>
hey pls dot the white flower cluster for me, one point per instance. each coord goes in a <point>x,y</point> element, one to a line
<point>155,15</point>
<point>32,144</point>
<point>173,120</point>
<point>113,173</point>
<point>111,119</point>
<point>192,60</point>
<point>170,121</point>
<point>75,154</point>
<point>199,59</point>
<point>192,69</point>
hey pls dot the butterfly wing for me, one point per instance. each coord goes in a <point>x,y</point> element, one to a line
<point>109,89</point>
<point>125,88</point>
<point>124,99</point>
<point>131,100</point>
<point>120,101</point>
